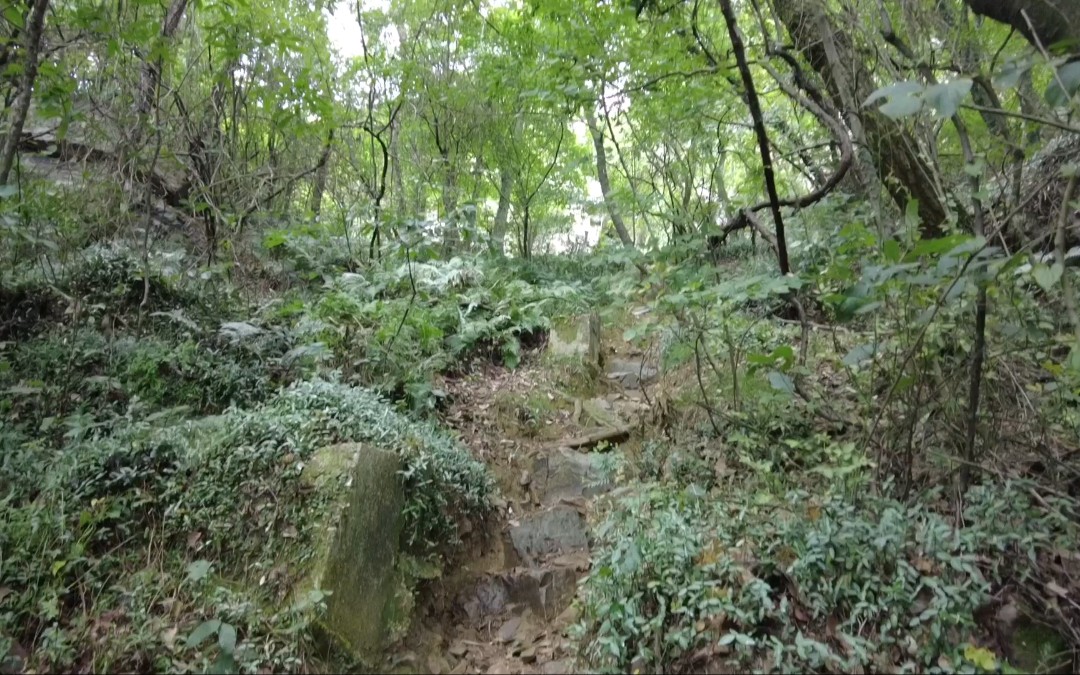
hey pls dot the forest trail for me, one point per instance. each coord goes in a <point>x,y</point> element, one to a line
<point>508,606</point>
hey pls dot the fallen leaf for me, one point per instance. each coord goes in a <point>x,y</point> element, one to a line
<point>194,539</point>
<point>1054,588</point>
<point>168,637</point>
<point>290,532</point>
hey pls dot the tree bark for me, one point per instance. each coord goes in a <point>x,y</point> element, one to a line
<point>498,228</point>
<point>1042,22</point>
<point>905,172</point>
<point>151,70</point>
<point>759,131</point>
<point>34,30</point>
<point>602,177</point>
<point>319,186</point>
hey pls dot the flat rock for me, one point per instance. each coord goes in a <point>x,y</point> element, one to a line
<point>546,592</point>
<point>555,531</point>
<point>528,655</point>
<point>631,374</point>
<point>556,667</point>
<point>509,630</point>
<point>568,474</point>
<point>602,412</point>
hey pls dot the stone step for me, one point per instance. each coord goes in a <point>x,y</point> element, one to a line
<point>545,592</point>
<point>554,531</point>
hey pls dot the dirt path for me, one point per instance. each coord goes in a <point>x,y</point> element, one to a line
<point>507,608</point>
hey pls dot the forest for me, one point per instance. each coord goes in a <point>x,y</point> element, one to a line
<point>540,336</point>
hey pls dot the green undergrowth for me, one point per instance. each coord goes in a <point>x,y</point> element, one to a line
<point>684,580</point>
<point>124,544</point>
<point>393,328</point>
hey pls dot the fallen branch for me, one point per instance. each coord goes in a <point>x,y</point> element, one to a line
<point>590,440</point>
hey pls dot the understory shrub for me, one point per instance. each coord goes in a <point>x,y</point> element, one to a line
<point>221,493</point>
<point>681,581</point>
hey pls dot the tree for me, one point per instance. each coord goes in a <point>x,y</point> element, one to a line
<point>897,155</point>
<point>35,27</point>
<point>1044,23</point>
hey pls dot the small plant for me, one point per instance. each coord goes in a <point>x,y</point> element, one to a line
<point>799,584</point>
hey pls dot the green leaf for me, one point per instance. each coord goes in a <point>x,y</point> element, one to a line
<point>936,246</point>
<point>202,632</point>
<point>945,98</point>
<point>1068,76</point>
<point>781,382</point>
<point>198,570</point>
<point>1047,277</point>
<point>14,16</point>
<point>892,251</point>
<point>906,88</point>
<point>227,638</point>
<point>911,214</point>
<point>901,106</point>
<point>860,354</point>
<point>1011,72</point>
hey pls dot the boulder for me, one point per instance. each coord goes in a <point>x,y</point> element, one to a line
<point>567,474</point>
<point>546,592</point>
<point>631,373</point>
<point>580,338</point>
<point>357,548</point>
<point>559,530</point>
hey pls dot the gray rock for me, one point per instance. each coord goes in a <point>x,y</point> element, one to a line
<point>559,530</point>
<point>546,592</point>
<point>509,630</point>
<point>567,474</point>
<point>489,597</point>
<point>631,374</point>
<point>356,552</point>
<point>581,338</point>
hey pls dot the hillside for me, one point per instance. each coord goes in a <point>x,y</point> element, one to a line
<point>539,337</point>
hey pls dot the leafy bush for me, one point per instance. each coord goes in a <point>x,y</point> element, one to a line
<point>834,585</point>
<point>47,380</point>
<point>153,495</point>
<point>384,335</point>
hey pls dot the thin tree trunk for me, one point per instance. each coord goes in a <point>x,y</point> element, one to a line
<point>602,178</point>
<point>759,131</point>
<point>395,170</point>
<point>321,173</point>
<point>498,228</point>
<point>22,104</point>
<point>151,70</point>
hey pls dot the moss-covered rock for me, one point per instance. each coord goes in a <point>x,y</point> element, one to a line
<point>578,338</point>
<point>357,557</point>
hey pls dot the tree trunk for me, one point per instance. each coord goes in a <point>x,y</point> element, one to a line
<point>22,104</point>
<point>151,71</point>
<point>905,172</point>
<point>1042,22</point>
<point>602,178</point>
<point>320,176</point>
<point>498,228</point>
<point>395,171</point>
<point>759,131</point>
